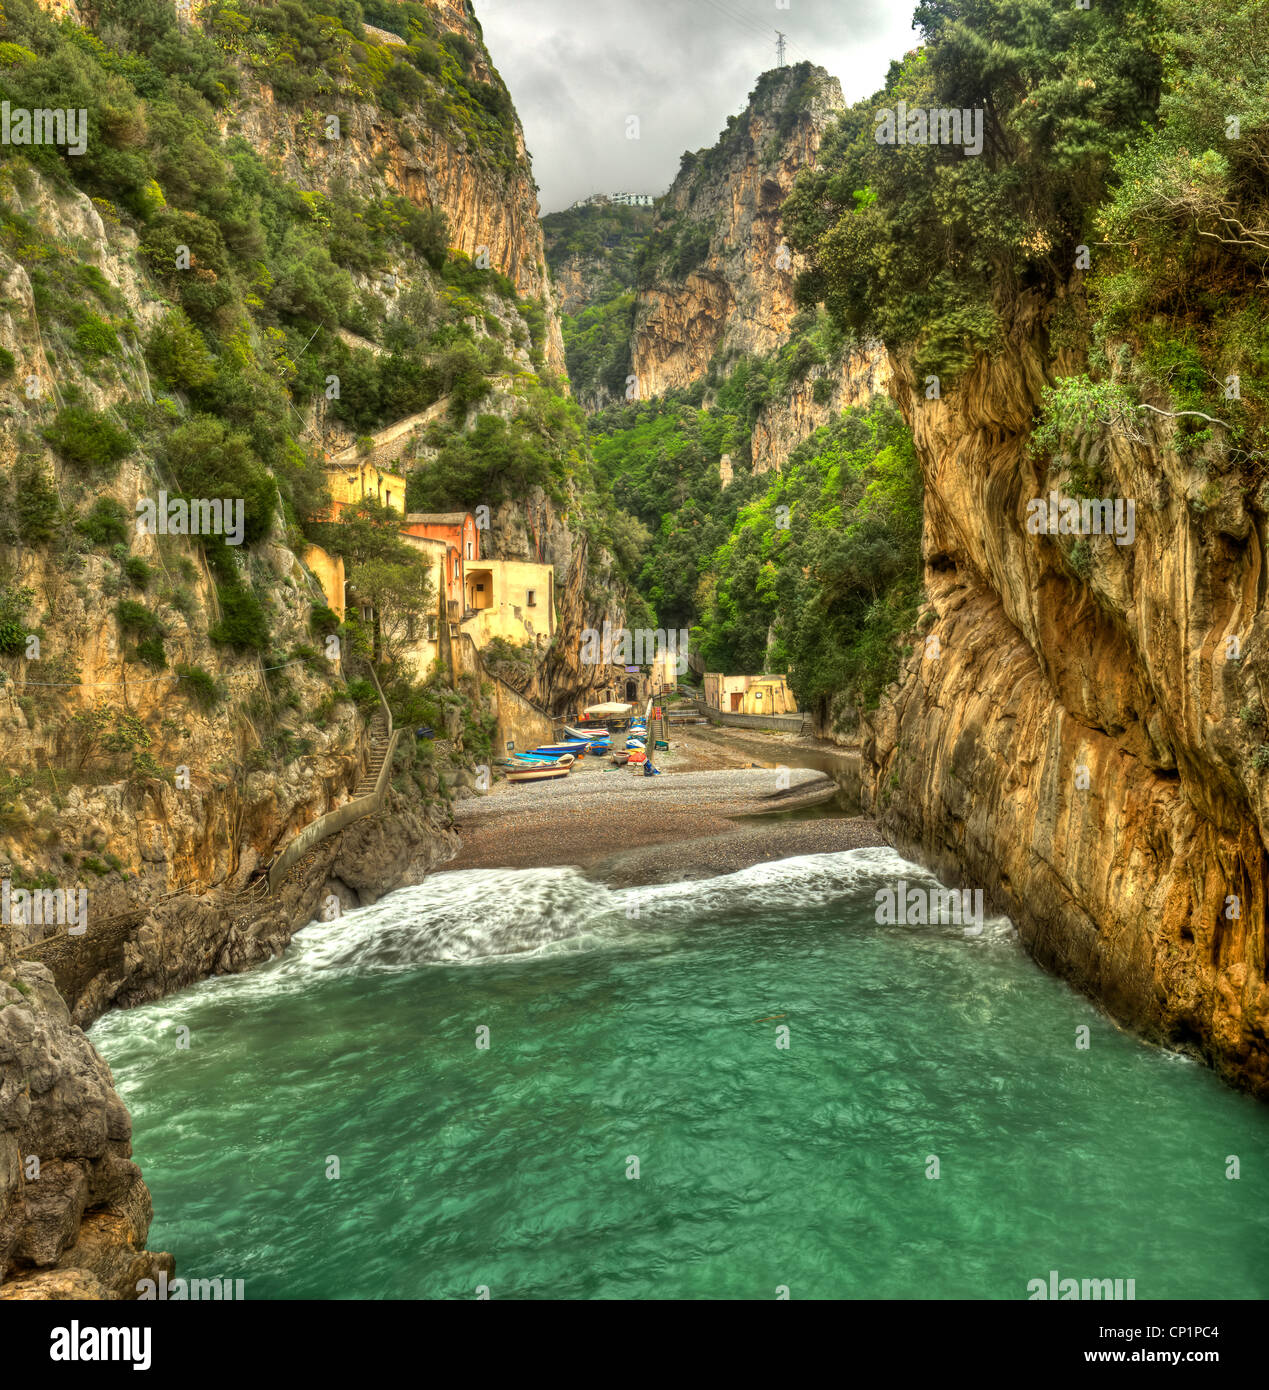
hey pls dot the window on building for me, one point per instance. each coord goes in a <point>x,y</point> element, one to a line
<point>431,629</point>
<point>469,550</point>
<point>533,598</point>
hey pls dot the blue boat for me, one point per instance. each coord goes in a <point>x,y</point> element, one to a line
<point>523,760</point>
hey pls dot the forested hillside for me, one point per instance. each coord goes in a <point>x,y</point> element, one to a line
<point>594,253</point>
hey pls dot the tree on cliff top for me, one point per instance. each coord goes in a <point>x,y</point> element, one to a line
<point>915,243</point>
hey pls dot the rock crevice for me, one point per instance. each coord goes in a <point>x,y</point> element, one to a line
<point>1078,741</point>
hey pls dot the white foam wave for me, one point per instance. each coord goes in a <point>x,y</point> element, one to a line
<point>473,915</point>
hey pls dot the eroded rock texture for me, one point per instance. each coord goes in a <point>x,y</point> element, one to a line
<point>723,212</point>
<point>1080,741</point>
<point>74,1210</point>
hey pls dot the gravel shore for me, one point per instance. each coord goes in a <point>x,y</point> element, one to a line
<point>626,829</point>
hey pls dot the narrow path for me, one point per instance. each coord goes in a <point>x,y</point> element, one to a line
<point>394,432</point>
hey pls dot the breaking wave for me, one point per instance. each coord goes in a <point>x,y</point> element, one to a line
<point>471,915</point>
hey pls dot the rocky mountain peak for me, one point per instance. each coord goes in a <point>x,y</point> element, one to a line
<point>718,276</point>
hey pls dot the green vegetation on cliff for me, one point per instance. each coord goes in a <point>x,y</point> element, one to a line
<point>254,312</point>
<point>1123,178</point>
<point>814,571</point>
<point>661,458</point>
<point>594,253</point>
<point>821,575</point>
<point>911,243</point>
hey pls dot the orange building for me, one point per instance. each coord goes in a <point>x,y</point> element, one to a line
<point>455,528</point>
<point>459,532</point>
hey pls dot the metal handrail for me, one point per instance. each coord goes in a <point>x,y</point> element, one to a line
<point>383,700</point>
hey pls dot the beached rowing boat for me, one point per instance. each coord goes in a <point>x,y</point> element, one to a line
<point>545,772</point>
<point>585,734</point>
<point>530,760</point>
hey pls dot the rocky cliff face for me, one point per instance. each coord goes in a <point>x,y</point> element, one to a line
<point>62,700</point>
<point>1082,740</point>
<point>593,251</point>
<point>711,272</point>
<point>719,277</point>
<point>74,1210</point>
<point>784,423</point>
<point>490,208</point>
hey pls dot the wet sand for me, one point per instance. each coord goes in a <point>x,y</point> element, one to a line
<point>693,821</point>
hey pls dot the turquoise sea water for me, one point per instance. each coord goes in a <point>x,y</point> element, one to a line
<point>614,1037</point>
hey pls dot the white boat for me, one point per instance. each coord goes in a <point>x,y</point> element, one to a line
<point>539,760</point>
<point>588,734</point>
<point>546,773</point>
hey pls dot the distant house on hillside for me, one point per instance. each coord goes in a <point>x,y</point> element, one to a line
<point>359,480</point>
<point>629,200</point>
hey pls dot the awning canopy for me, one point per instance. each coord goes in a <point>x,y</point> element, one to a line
<point>608,711</point>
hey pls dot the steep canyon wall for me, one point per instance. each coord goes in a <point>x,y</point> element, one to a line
<point>1071,732</point>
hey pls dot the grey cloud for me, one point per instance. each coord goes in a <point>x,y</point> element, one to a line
<point>577,69</point>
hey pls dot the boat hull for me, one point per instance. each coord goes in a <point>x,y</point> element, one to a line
<point>537,774</point>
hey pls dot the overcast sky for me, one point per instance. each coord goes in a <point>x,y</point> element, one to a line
<point>577,69</point>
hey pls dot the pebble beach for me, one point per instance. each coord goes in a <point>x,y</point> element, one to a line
<point>713,810</point>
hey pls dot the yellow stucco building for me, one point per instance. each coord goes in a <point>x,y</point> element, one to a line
<point>511,599</point>
<point>749,694</point>
<point>483,598</point>
<point>358,479</point>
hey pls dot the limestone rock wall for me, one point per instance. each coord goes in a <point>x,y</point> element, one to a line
<point>74,1210</point>
<point>1079,742</point>
<point>486,206</point>
<point>785,423</point>
<point>739,297</point>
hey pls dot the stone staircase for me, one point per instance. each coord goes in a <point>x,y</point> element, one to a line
<point>379,738</point>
